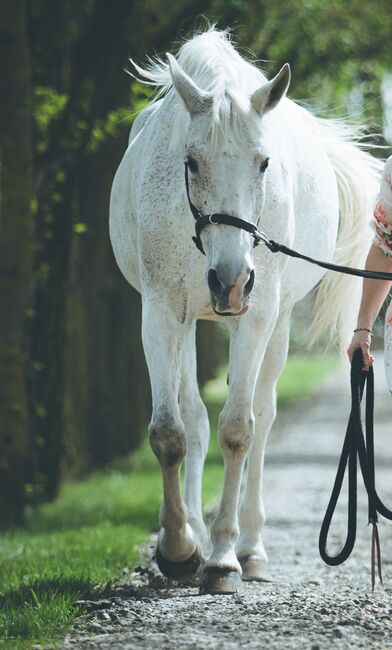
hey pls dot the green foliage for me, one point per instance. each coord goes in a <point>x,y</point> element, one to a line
<point>140,96</point>
<point>80,228</point>
<point>109,127</point>
<point>47,106</point>
<point>332,47</point>
<point>120,119</point>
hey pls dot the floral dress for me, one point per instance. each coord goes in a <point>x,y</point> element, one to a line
<point>382,225</point>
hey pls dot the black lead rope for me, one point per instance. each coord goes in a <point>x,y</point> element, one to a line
<point>362,273</point>
<point>356,446</point>
<point>202,220</point>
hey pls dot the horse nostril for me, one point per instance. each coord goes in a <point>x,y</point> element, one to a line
<point>214,284</point>
<point>249,285</point>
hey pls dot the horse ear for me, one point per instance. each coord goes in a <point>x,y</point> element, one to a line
<point>195,99</point>
<point>271,93</point>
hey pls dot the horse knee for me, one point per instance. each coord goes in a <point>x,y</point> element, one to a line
<point>195,417</point>
<point>235,435</point>
<point>167,440</point>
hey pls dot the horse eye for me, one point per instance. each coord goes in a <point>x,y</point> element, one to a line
<point>192,164</point>
<point>264,165</point>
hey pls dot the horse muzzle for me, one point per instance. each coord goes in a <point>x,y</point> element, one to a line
<point>228,298</point>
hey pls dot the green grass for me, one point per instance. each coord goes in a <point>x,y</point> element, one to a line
<point>300,377</point>
<point>77,546</point>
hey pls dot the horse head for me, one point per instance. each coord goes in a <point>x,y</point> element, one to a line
<point>227,161</point>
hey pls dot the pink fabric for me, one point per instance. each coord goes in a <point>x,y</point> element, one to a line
<point>382,217</point>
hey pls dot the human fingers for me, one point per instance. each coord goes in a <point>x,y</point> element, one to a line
<point>368,359</point>
<point>361,341</point>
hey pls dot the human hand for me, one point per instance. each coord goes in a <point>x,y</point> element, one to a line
<point>361,341</point>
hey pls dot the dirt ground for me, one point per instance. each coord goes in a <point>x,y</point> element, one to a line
<point>308,604</point>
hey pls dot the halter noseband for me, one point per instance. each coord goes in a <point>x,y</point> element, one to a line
<point>202,220</point>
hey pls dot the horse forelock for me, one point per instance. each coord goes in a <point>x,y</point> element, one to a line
<point>213,63</point>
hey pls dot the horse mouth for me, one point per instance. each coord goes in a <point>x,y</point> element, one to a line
<point>242,311</point>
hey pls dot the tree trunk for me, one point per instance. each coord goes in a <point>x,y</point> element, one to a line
<point>61,167</point>
<point>15,256</point>
<point>107,389</point>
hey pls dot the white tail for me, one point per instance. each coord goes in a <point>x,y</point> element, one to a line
<point>358,174</point>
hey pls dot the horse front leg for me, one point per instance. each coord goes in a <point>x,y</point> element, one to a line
<point>236,423</point>
<point>250,547</point>
<point>178,555</point>
<point>195,417</point>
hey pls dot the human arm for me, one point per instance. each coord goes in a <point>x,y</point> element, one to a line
<point>374,293</point>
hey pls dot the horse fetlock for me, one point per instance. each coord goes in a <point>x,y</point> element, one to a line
<point>179,570</point>
<point>251,545</point>
<point>235,435</point>
<point>168,441</point>
<point>177,545</point>
<point>224,557</point>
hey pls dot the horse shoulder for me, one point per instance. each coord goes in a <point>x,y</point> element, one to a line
<point>132,191</point>
<point>122,219</point>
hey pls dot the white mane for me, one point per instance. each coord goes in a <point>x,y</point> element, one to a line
<point>213,63</point>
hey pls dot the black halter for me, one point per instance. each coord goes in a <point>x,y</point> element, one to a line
<point>202,220</point>
<point>216,218</point>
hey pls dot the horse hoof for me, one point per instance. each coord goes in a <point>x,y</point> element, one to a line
<point>254,568</point>
<point>179,570</point>
<point>220,581</point>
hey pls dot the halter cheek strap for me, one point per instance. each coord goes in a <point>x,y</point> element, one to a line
<point>202,220</point>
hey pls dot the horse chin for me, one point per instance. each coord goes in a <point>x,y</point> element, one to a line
<point>242,311</point>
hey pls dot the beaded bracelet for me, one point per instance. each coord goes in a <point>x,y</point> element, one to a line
<point>364,329</point>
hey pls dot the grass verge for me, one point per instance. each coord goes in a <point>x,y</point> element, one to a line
<point>77,546</point>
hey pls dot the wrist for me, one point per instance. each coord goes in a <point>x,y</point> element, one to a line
<point>364,329</point>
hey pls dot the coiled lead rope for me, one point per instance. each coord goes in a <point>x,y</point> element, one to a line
<point>356,446</point>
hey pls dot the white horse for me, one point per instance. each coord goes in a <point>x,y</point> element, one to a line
<point>254,154</point>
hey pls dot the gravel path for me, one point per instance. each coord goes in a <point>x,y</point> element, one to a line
<point>308,605</point>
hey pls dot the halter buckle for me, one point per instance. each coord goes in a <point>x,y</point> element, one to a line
<point>214,223</point>
<point>259,235</point>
